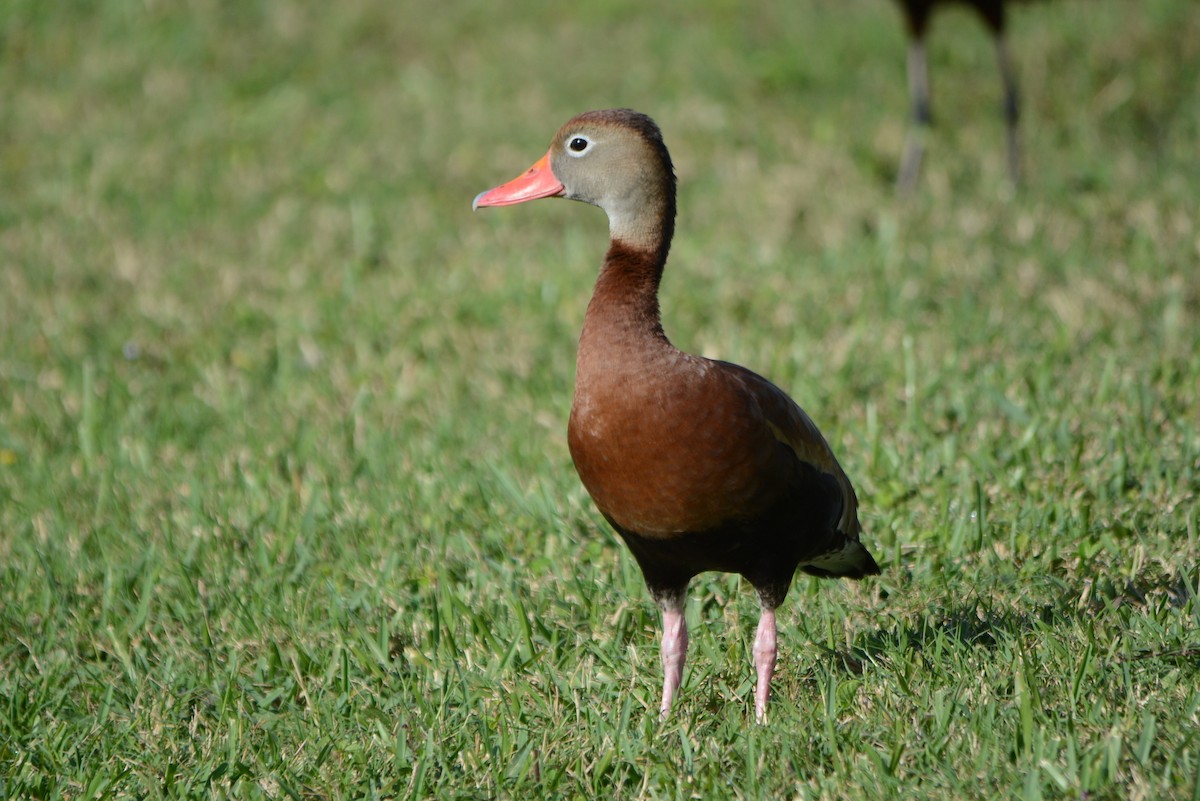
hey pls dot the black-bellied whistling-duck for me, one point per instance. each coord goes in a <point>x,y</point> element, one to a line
<point>916,16</point>
<point>698,464</point>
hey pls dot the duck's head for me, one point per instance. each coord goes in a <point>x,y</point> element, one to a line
<point>614,159</point>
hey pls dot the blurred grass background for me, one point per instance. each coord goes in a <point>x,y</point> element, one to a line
<point>286,508</point>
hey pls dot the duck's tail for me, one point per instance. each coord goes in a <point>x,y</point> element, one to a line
<point>852,560</point>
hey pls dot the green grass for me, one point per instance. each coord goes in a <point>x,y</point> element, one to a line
<point>286,509</point>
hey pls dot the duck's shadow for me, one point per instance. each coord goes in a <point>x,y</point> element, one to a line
<point>981,624</point>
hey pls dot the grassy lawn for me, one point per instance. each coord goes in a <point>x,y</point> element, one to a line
<point>286,508</point>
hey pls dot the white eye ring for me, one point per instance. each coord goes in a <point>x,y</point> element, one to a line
<point>578,145</point>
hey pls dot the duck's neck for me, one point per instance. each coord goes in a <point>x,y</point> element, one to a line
<point>625,299</point>
<point>624,305</point>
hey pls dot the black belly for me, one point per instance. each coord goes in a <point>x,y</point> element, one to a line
<point>765,549</point>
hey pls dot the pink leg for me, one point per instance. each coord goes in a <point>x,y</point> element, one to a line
<point>674,653</point>
<point>764,662</point>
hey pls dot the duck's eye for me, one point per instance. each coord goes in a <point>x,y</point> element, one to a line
<point>578,145</point>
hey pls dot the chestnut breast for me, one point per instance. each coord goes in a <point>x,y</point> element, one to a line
<point>668,443</point>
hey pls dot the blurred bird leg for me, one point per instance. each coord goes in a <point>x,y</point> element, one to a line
<point>922,118</point>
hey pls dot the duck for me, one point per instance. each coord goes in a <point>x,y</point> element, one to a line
<point>917,14</point>
<point>697,464</point>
